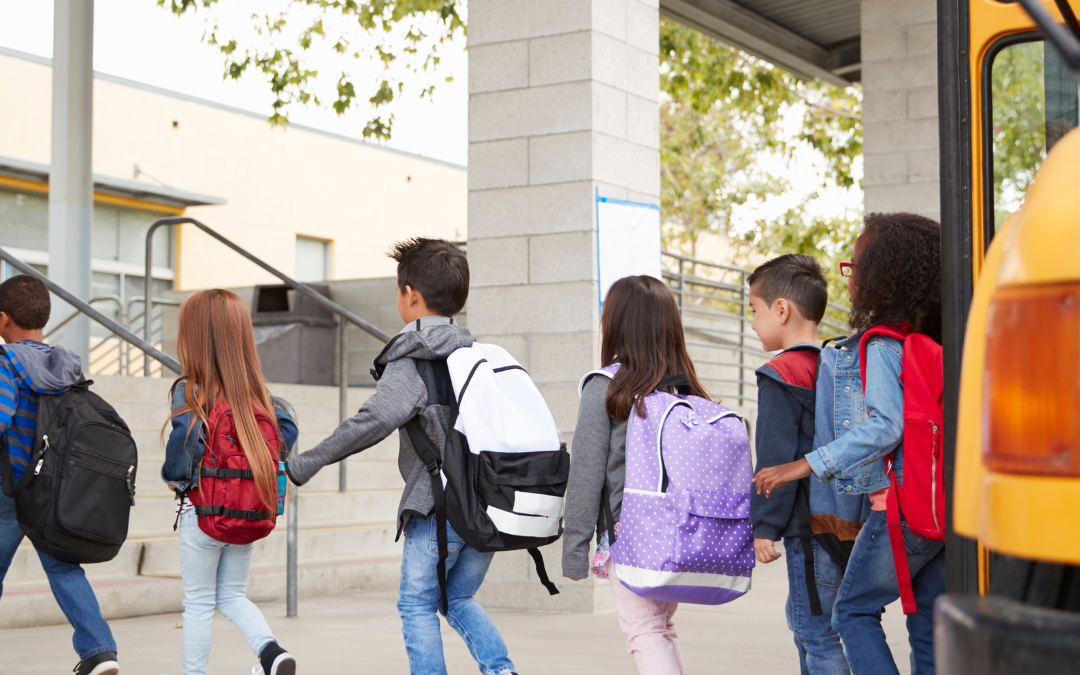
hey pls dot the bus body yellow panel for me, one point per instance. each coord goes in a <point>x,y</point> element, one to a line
<point>1032,517</point>
<point>1029,516</point>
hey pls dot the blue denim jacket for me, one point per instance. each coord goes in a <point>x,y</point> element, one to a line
<point>857,431</point>
<point>184,451</point>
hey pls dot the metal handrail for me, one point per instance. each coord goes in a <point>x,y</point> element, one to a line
<point>69,317</point>
<point>718,309</point>
<point>320,299</point>
<point>292,511</point>
<point>85,308</point>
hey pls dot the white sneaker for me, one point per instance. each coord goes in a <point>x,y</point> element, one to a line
<point>284,664</point>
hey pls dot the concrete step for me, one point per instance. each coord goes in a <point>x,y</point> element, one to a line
<point>32,604</point>
<point>161,557</point>
<point>366,526</point>
<point>154,516</point>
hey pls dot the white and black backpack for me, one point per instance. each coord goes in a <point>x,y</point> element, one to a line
<point>503,473</point>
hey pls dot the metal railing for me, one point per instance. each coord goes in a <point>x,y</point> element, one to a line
<point>84,307</point>
<point>321,300</point>
<point>714,302</point>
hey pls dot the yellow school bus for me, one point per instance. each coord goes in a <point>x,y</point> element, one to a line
<point>1010,173</point>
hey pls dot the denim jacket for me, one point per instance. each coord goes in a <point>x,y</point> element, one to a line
<point>184,451</point>
<point>856,432</point>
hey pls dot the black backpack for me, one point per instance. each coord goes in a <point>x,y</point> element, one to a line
<point>495,501</point>
<point>75,497</point>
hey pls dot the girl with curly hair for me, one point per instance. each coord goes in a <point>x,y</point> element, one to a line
<point>894,278</point>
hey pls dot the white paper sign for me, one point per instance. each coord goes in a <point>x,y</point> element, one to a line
<point>627,241</point>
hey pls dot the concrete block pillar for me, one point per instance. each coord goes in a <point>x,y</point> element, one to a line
<point>563,101</point>
<point>900,118</point>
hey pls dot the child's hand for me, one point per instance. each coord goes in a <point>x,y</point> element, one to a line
<point>769,479</point>
<point>764,551</point>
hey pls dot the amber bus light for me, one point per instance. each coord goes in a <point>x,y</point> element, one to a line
<point>1031,405</point>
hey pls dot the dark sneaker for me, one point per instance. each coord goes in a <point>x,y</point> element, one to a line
<point>275,661</point>
<point>98,664</point>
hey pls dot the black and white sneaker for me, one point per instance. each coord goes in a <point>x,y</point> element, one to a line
<point>275,661</point>
<point>98,664</point>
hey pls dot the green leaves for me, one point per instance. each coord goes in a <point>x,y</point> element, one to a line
<point>277,49</point>
<point>721,114</point>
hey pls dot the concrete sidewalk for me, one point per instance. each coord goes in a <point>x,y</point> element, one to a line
<point>359,632</point>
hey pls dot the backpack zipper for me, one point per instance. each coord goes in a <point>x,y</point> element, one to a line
<point>933,477</point>
<point>45,447</point>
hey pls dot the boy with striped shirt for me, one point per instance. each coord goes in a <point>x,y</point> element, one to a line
<point>29,369</point>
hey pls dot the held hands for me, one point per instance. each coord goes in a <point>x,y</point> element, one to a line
<point>764,551</point>
<point>773,477</point>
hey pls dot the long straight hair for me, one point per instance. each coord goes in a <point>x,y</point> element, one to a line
<point>641,329</point>
<point>216,346</point>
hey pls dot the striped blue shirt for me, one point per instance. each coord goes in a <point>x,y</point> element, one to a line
<point>18,406</point>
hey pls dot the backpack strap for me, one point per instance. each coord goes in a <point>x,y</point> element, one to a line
<point>219,510</point>
<point>427,452</point>
<point>609,374</point>
<point>885,330</point>
<point>680,382</point>
<point>806,537</point>
<point>541,571</point>
<point>896,542</point>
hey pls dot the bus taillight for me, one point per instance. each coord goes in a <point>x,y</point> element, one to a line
<point>1031,404</point>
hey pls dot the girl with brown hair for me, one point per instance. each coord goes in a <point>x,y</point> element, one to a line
<point>642,331</point>
<point>221,389</point>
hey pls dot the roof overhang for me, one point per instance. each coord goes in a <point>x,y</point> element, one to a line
<point>735,24</point>
<point>119,187</point>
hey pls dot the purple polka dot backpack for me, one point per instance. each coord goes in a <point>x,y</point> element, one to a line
<point>684,531</point>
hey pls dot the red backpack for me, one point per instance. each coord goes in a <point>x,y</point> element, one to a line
<point>921,498</point>
<point>226,500</point>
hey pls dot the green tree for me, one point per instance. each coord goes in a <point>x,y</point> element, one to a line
<point>346,27</point>
<point>1019,119</point>
<point>720,114</point>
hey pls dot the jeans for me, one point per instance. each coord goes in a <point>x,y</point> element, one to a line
<point>649,627</point>
<point>69,586</point>
<point>418,602</point>
<point>215,574</point>
<point>818,643</point>
<point>870,584</point>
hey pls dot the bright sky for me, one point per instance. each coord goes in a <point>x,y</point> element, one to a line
<point>138,40</point>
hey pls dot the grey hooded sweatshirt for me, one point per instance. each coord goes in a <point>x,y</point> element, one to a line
<point>399,395</point>
<point>30,368</point>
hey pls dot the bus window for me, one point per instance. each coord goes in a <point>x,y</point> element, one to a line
<point>1033,104</point>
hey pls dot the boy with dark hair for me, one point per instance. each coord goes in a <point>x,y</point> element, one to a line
<point>29,369</point>
<point>788,296</point>
<point>433,284</point>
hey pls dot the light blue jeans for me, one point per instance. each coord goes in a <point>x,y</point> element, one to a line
<point>69,586</point>
<point>418,602</point>
<point>870,584</point>
<point>215,575</point>
<point>820,651</point>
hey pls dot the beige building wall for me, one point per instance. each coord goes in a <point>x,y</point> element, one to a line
<point>278,182</point>
<point>900,106</point>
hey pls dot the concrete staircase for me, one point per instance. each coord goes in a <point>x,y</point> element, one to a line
<point>346,539</point>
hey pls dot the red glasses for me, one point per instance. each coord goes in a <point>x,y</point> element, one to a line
<point>847,269</point>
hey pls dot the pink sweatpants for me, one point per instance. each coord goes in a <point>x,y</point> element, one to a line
<point>649,629</point>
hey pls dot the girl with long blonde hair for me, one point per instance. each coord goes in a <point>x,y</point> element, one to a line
<point>221,391</point>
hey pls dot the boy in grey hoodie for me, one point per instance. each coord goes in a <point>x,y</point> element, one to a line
<point>433,284</point>
<point>28,370</point>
